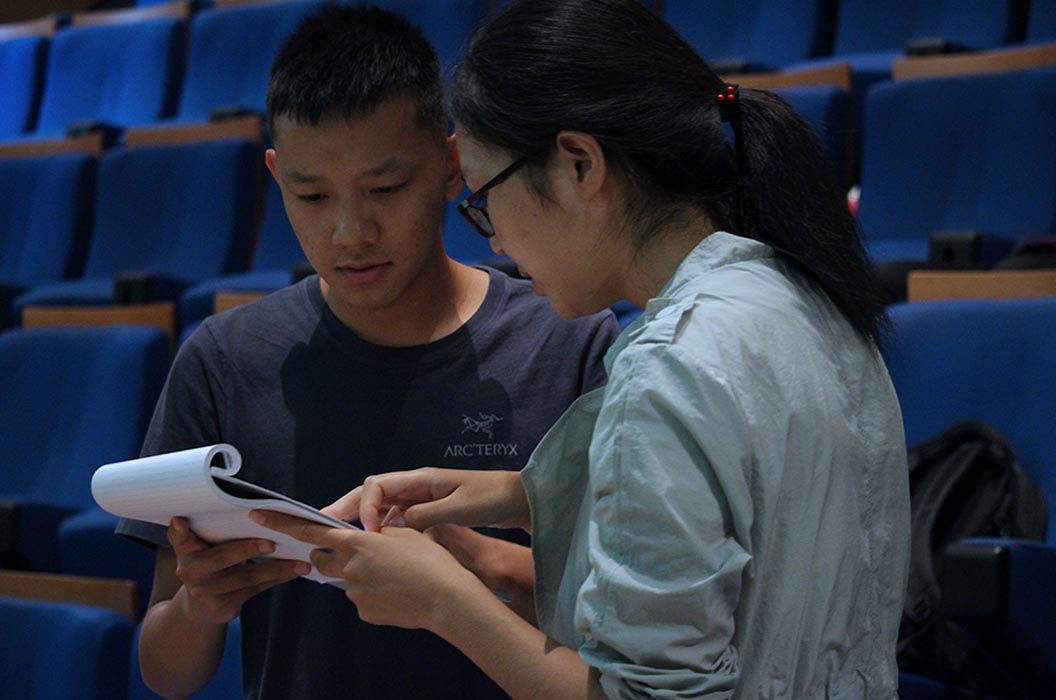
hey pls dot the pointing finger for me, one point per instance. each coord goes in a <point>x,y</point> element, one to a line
<point>297,528</point>
<point>347,507</point>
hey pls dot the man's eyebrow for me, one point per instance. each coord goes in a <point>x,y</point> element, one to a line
<point>390,165</point>
<point>301,178</point>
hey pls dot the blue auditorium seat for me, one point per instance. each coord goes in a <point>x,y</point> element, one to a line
<point>22,62</point>
<point>71,399</point>
<point>991,360</point>
<point>88,546</point>
<point>230,53</point>
<point>968,152</point>
<point>1041,22</point>
<point>827,109</point>
<point>865,27</point>
<point>871,35</point>
<point>58,651</point>
<point>447,24</point>
<point>187,331</point>
<point>980,359</point>
<point>276,256</point>
<point>745,35</point>
<point>45,210</point>
<point>117,74</point>
<point>225,685</point>
<point>181,213</point>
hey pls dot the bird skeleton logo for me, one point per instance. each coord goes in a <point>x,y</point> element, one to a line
<point>483,425</point>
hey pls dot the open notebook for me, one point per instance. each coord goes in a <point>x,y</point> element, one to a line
<point>200,485</point>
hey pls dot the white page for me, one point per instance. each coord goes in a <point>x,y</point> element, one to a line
<point>156,489</point>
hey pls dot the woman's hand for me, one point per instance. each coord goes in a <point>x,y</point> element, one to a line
<point>506,568</point>
<point>395,577</point>
<point>430,496</point>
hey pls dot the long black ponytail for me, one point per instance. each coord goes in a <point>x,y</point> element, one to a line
<point>614,70</point>
<point>790,201</point>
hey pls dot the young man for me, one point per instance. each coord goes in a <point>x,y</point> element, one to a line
<point>394,356</point>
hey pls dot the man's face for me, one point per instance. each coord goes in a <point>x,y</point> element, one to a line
<point>366,198</point>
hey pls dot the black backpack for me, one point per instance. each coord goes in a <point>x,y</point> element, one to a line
<point>963,483</point>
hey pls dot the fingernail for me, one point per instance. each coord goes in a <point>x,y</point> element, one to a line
<point>266,547</point>
<point>301,569</point>
<point>256,517</point>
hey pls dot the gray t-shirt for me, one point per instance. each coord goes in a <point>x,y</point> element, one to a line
<point>314,409</point>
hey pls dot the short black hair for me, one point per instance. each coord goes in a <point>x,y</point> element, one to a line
<point>347,61</point>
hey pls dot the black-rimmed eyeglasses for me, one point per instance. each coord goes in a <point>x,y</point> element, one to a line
<point>475,206</point>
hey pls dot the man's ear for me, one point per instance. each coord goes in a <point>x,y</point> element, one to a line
<point>272,163</point>
<point>581,160</point>
<point>453,183</point>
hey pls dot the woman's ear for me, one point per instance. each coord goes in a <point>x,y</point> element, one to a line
<point>580,159</point>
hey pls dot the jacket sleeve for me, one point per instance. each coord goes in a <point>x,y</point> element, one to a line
<point>667,465</point>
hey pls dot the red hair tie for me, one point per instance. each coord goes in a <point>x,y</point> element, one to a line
<point>728,101</point>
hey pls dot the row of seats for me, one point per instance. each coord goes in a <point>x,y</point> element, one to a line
<point>227,83</point>
<point>185,67</point>
<point>177,216</point>
<point>742,36</point>
<point>750,35</point>
<point>184,213</point>
<point>71,400</point>
<point>172,70</point>
<point>955,154</point>
<point>129,214</point>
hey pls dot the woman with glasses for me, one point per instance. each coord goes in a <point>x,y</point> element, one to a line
<point>728,517</point>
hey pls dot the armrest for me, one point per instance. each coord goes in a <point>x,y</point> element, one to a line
<point>119,595</point>
<point>221,114</point>
<point>9,512</point>
<point>735,65</point>
<point>28,534</point>
<point>110,133</point>
<point>933,46</point>
<point>974,581</point>
<point>1006,584</point>
<point>8,292</point>
<point>967,249</point>
<point>140,287</point>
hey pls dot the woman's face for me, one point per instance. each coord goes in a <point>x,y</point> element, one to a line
<point>561,243</point>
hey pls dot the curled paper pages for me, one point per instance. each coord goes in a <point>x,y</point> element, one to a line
<point>200,484</point>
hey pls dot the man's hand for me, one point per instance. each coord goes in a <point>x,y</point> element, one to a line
<point>218,579</point>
